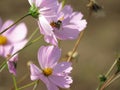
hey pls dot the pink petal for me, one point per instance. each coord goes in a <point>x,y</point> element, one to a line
<point>51,86</point>
<point>51,39</point>
<point>11,67</point>
<point>62,68</point>
<point>36,73</point>
<point>18,33</point>
<point>44,25</point>
<point>6,25</point>
<point>76,19</point>
<point>19,45</point>
<point>6,50</point>
<point>2,51</point>
<point>67,32</point>
<point>76,16</point>
<point>61,81</point>
<point>82,25</point>
<point>48,56</point>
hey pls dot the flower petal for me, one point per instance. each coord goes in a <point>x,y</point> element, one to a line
<point>48,56</point>
<point>44,25</point>
<point>19,45</point>
<point>76,18</point>
<point>5,25</point>
<point>61,81</point>
<point>67,32</point>
<point>62,68</point>
<point>51,39</point>
<point>51,86</point>
<point>11,67</point>
<point>18,33</point>
<point>35,72</point>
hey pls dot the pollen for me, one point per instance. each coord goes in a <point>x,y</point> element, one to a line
<point>3,40</point>
<point>47,71</point>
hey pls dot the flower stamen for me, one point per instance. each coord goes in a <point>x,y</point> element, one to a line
<point>47,71</point>
<point>3,40</point>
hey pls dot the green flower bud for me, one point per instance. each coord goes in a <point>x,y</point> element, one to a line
<point>102,78</point>
<point>33,11</point>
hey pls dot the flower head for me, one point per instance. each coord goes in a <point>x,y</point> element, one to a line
<point>52,73</point>
<point>66,25</point>
<point>11,41</point>
<point>43,9</point>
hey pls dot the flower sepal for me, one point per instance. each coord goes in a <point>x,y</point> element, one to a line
<point>33,11</point>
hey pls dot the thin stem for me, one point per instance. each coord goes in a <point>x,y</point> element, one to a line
<point>107,82</point>
<point>63,2</point>
<point>76,46</point>
<point>15,83</point>
<point>32,35</point>
<point>20,81</point>
<point>30,43</point>
<point>118,76</point>
<point>14,23</point>
<point>111,68</point>
<point>36,84</point>
<point>28,85</point>
<point>2,66</point>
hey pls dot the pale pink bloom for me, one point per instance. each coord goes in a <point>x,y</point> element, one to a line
<point>66,25</point>
<point>52,73</point>
<point>46,9</point>
<point>12,40</point>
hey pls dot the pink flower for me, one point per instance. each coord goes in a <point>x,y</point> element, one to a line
<point>43,9</point>
<point>12,40</point>
<point>66,25</point>
<point>52,73</point>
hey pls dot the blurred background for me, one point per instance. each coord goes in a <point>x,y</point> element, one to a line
<point>98,48</point>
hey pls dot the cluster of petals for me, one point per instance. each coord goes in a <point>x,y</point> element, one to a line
<point>52,73</point>
<point>57,22</point>
<point>66,25</point>
<point>11,41</point>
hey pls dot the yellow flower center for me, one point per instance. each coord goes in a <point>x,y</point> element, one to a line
<point>3,40</point>
<point>47,71</point>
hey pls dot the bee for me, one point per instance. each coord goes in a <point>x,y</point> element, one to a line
<point>56,24</point>
<point>94,7</point>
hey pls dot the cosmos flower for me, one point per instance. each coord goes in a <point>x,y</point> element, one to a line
<point>12,40</point>
<point>52,73</point>
<point>66,25</point>
<point>43,9</point>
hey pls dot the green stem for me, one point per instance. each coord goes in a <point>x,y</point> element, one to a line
<point>75,46</point>
<point>33,34</point>
<point>14,23</point>
<point>63,3</point>
<point>28,85</point>
<point>111,68</point>
<point>15,83</point>
<point>36,84</point>
<point>2,66</point>
<point>118,76</point>
<point>30,43</point>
